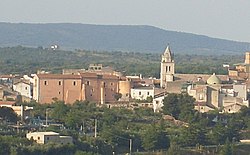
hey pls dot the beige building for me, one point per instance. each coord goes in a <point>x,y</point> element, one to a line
<point>49,137</point>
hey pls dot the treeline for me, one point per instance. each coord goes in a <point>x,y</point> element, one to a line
<point>24,60</point>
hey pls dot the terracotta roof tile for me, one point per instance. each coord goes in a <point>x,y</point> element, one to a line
<point>7,102</point>
<point>58,76</point>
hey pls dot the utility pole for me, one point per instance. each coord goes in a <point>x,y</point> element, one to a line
<point>46,121</point>
<point>95,128</point>
<point>130,146</point>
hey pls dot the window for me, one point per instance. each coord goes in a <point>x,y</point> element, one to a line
<point>60,83</point>
<point>166,68</point>
<point>26,88</point>
<point>74,83</point>
<point>148,93</point>
<point>169,68</point>
<point>139,93</point>
<point>111,83</point>
<point>104,84</point>
<point>45,83</point>
<point>38,138</point>
<point>87,83</point>
<point>201,97</point>
<point>47,138</point>
<point>59,92</point>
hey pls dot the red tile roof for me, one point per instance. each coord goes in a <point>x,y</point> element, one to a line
<point>7,102</point>
<point>58,76</point>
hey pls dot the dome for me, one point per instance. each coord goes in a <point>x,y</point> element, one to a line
<point>213,80</point>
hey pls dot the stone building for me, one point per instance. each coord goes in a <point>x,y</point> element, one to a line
<point>83,86</point>
<point>214,94</point>
<point>240,71</point>
<point>167,67</point>
<point>24,87</point>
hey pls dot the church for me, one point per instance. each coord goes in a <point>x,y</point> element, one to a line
<point>210,91</point>
<point>167,67</point>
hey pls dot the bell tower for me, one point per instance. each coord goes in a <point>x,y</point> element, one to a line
<point>167,67</point>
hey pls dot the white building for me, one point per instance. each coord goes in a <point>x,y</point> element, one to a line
<point>24,88</point>
<point>158,102</point>
<point>49,137</point>
<point>142,93</point>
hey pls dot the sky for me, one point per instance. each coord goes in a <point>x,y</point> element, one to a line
<point>226,19</point>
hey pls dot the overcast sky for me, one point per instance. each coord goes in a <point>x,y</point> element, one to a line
<point>228,19</point>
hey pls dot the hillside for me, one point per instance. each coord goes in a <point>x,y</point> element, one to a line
<point>23,60</point>
<point>114,38</point>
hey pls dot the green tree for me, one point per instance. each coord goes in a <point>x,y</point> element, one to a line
<point>73,119</point>
<point>154,138</point>
<point>4,146</point>
<point>171,106</point>
<point>59,111</point>
<point>227,149</point>
<point>8,114</point>
<point>180,106</point>
<point>174,149</point>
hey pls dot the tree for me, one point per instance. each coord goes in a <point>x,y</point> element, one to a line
<point>174,149</point>
<point>193,135</point>
<point>59,110</point>
<point>117,96</point>
<point>171,106</point>
<point>154,138</point>
<point>149,99</point>
<point>227,149</point>
<point>180,106</point>
<point>8,114</point>
<point>73,119</point>
<point>4,146</point>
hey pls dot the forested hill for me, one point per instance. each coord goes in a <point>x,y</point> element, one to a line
<point>114,38</point>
